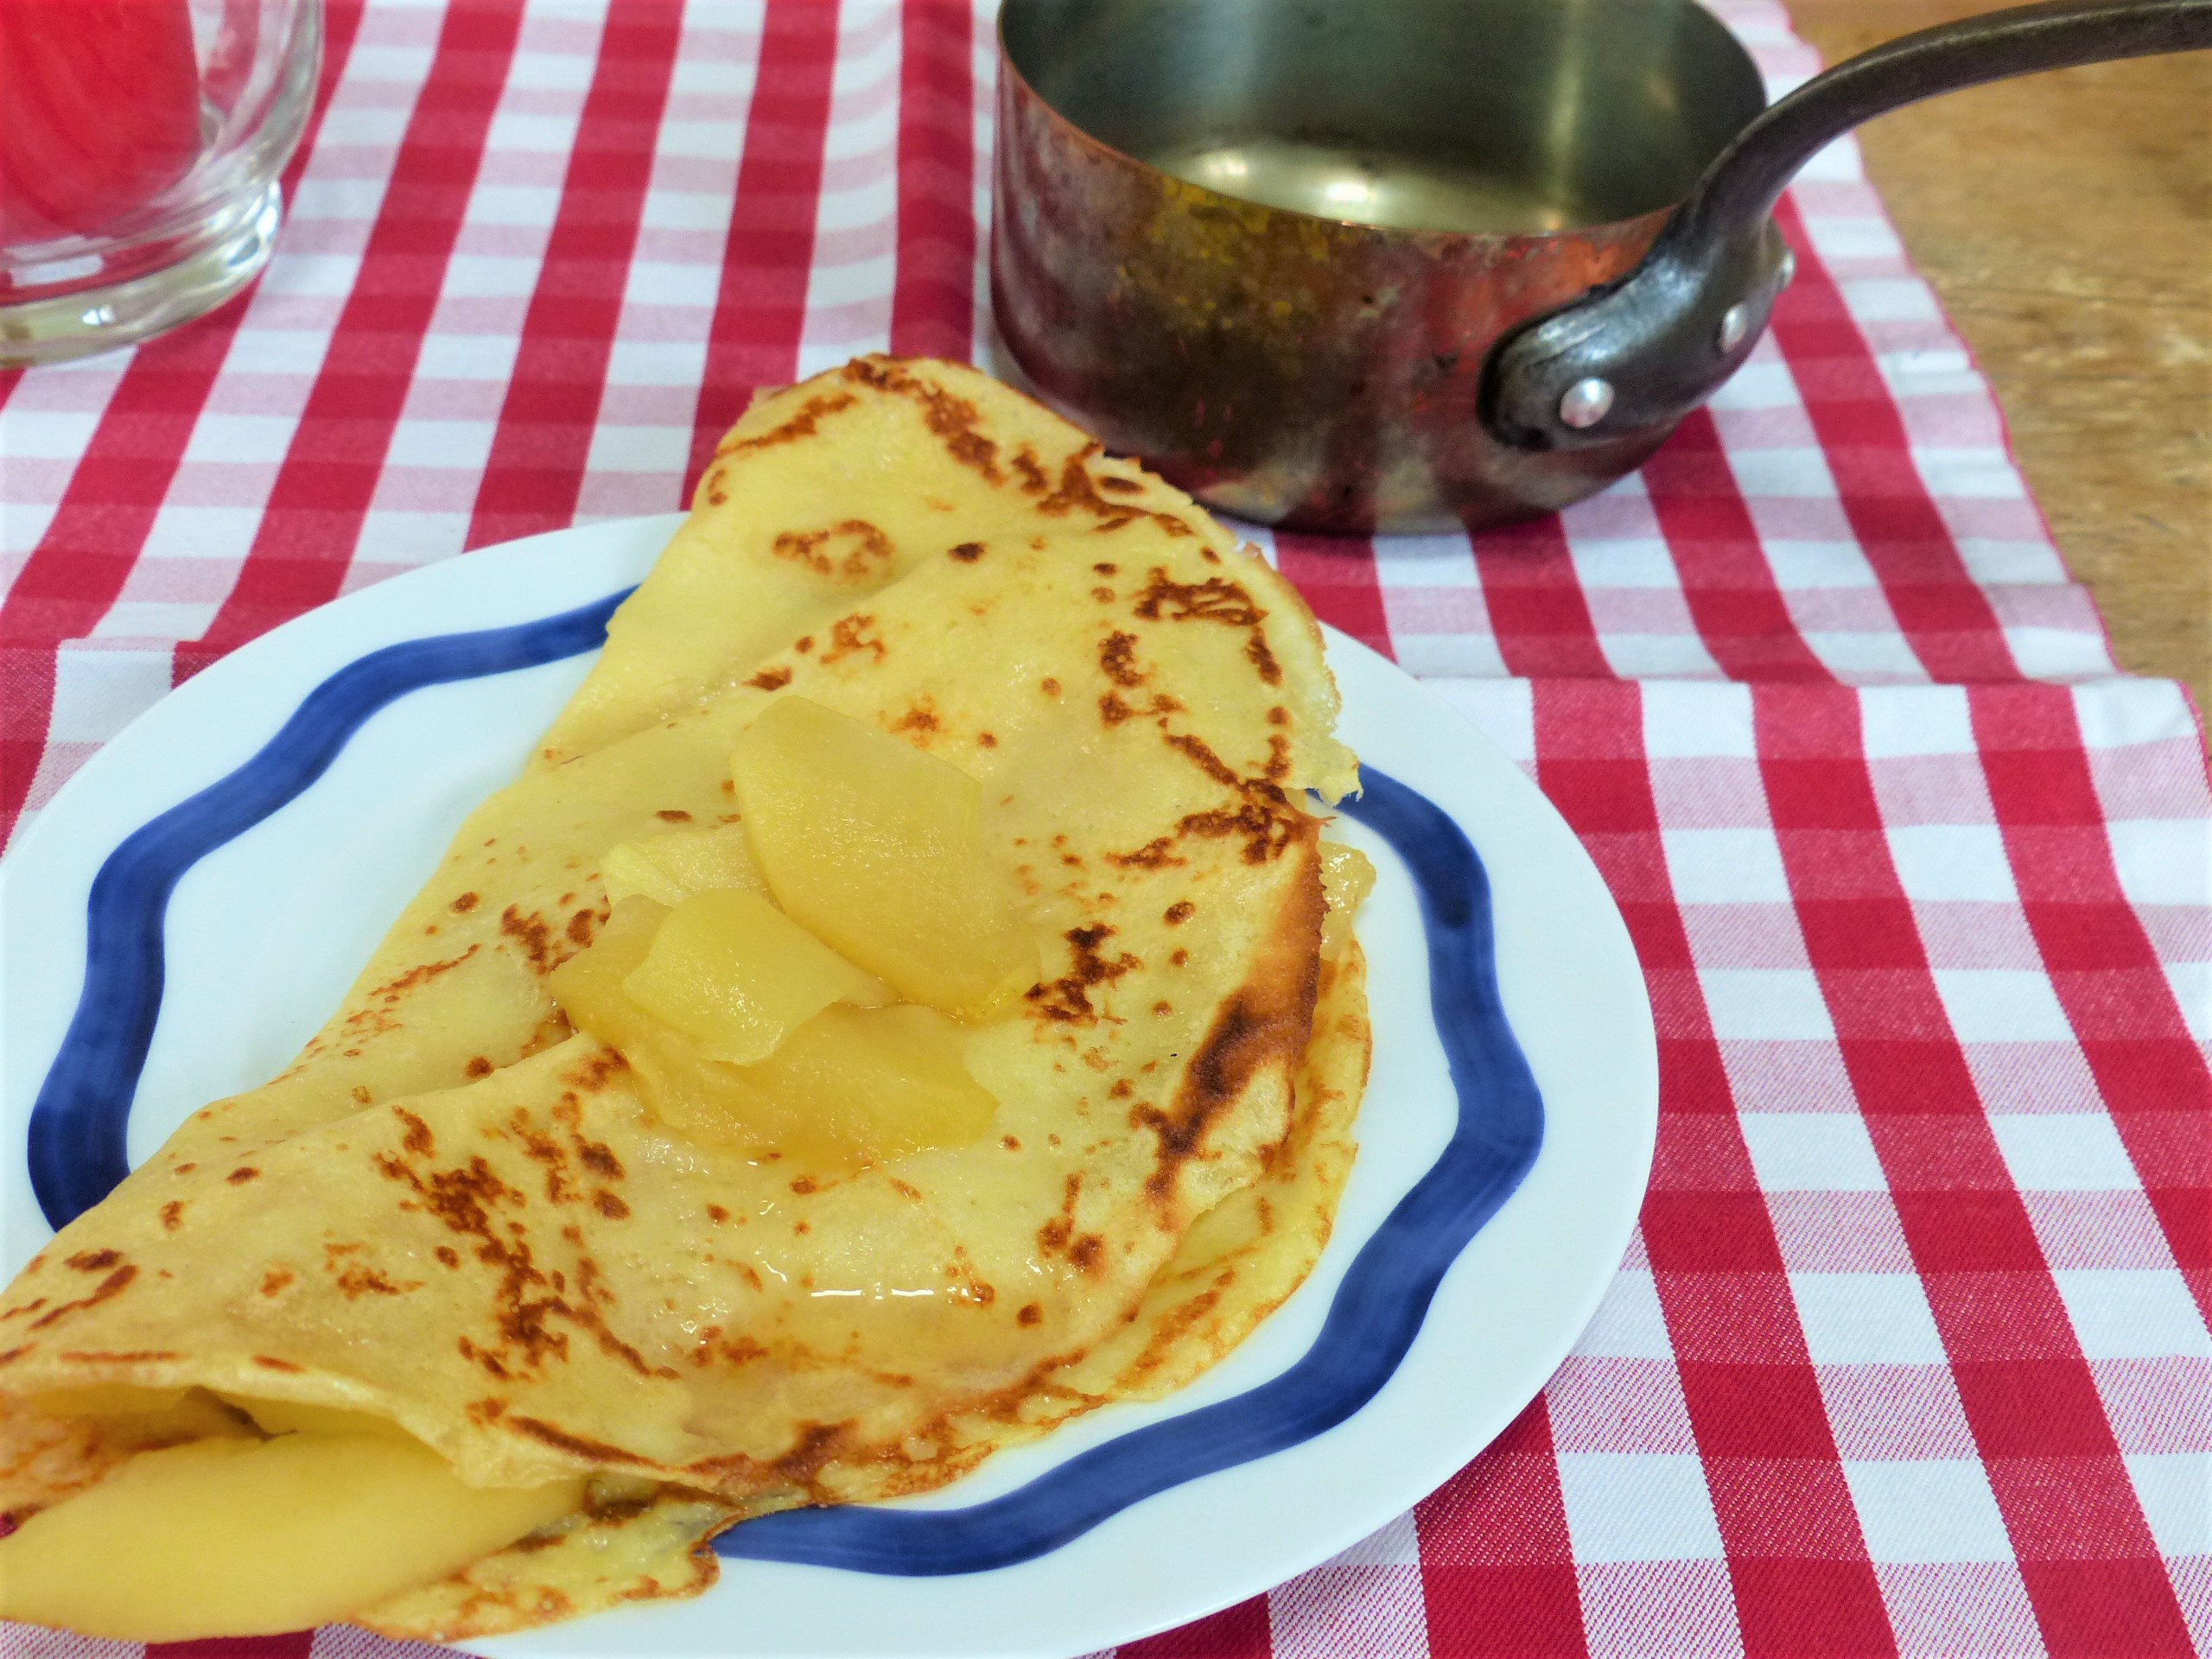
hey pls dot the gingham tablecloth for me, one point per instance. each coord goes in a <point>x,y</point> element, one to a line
<point>1909,1354</point>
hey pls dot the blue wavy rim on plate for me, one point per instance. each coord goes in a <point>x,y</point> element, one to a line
<point>78,1124</point>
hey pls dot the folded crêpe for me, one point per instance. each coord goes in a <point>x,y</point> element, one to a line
<point>457,1223</point>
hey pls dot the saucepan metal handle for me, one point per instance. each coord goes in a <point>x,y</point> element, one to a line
<point>1647,350</point>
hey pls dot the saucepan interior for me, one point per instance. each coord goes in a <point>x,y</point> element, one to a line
<point>1482,116</point>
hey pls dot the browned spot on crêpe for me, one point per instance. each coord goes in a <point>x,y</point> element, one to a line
<point>356,1282</point>
<point>771,679</point>
<point>920,716</point>
<point>1215,600</point>
<point>673,815</point>
<point>1257,652</point>
<point>274,1280</point>
<point>801,425</point>
<point>609,1206</point>
<point>967,552</point>
<point>241,1174</point>
<point>1268,826</point>
<point>1158,854</point>
<point>417,1139</point>
<point>849,635</point>
<point>1077,492</point>
<point>270,1362</point>
<point>597,1451</point>
<point>477,1066</point>
<point>1117,655</point>
<point>543,945</point>
<point>1067,998</point>
<point>581,925</point>
<point>1053,1237</point>
<point>817,1444</point>
<point>113,1285</point>
<point>594,1072</point>
<point>467,1199</point>
<point>852,548</point>
<point>1201,755</point>
<point>1179,913</point>
<point>1028,1313</point>
<point>599,1159</point>
<point>1113,711</point>
<point>952,421</point>
<point>1264,1025</point>
<point>172,1215</point>
<point>392,990</point>
<point>462,905</point>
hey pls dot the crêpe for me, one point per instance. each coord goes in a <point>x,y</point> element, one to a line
<point>455,1214</point>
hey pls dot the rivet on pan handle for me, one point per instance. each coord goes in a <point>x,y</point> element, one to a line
<point>1646,351</point>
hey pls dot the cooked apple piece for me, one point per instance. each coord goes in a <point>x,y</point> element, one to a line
<point>232,1537</point>
<point>670,868</point>
<point>1347,877</point>
<point>733,972</point>
<point>850,1086</point>
<point>876,847</point>
<point>671,1071</point>
<point>588,985</point>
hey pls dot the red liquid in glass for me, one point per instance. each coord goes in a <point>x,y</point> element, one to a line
<point>99,111</point>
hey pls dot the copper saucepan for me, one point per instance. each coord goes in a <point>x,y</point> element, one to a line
<point>1403,265</point>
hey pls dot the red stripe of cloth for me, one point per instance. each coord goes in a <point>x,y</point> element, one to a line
<point>1727,580</point>
<point>293,1645</point>
<point>1796,1558</point>
<point>1946,616</point>
<point>1497,1566</point>
<point>86,553</point>
<point>536,468</point>
<point>761,312</point>
<point>1336,575</point>
<point>933,292</point>
<point>2084,1549</point>
<point>336,456</point>
<point>1538,612</point>
<point>2131,1028</point>
<point>1239,1632</point>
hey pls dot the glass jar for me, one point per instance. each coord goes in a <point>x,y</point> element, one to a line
<point>140,146</point>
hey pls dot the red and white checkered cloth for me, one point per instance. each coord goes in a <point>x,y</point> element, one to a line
<point>1911,1353</point>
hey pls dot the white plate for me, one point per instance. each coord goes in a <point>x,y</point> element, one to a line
<point>264,931</point>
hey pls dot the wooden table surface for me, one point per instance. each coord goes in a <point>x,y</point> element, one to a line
<point>2066,221</point>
